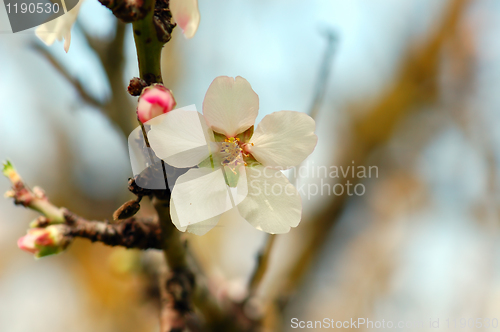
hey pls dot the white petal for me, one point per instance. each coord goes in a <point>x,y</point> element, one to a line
<point>59,28</point>
<point>283,139</point>
<point>240,192</point>
<point>200,194</point>
<point>230,106</point>
<point>67,40</point>
<point>273,205</point>
<point>142,157</point>
<point>180,137</point>
<point>200,228</point>
<point>185,13</point>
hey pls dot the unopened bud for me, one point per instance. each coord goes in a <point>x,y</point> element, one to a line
<point>155,100</point>
<point>44,241</point>
<point>136,86</point>
<point>10,172</point>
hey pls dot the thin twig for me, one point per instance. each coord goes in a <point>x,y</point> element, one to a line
<point>324,72</point>
<point>135,233</point>
<point>375,129</point>
<point>89,99</point>
<point>130,233</point>
<point>262,264</point>
<point>321,83</point>
<point>119,107</point>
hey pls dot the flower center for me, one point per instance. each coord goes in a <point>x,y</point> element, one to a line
<point>232,153</point>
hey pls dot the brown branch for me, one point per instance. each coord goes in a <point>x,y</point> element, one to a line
<point>119,108</point>
<point>130,233</point>
<point>262,264</point>
<point>320,88</point>
<point>176,287</point>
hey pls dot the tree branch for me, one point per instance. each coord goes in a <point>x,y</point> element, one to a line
<point>130,233</point>
<point>262,264</point>
<point>148,47</point>
<point>177,285</point>
<point>372,131</point>
<point>324,72</point>
<point>86,97</point>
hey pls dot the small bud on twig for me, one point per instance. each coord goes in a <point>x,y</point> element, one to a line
<point>136,86</point>
<point>44,241</point>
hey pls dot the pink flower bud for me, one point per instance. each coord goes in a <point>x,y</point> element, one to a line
<point>43,241</point>
<point>155,100</point>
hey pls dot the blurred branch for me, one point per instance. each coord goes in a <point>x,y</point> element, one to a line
<point>176,288</point>
<point>321,82</point>
<point>111,55</point>
<point>416,84</point>
<point>324,72</point>
<point>320,88</point>
<point>119,108</point>
<point>262,264</point>
<point>86,97</point>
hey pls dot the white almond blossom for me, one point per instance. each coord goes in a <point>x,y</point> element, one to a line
<point>185,13</point>
<point>59,28</point>
<point>237,167</point>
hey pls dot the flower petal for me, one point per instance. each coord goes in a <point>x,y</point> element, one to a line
<point>147,169</point>
<point>180,137</point>
<point>67,40</point>
<point>283,139</point>
<point>230,106</point>
<point>59,28</point>
<point>273,205</point>
<point>200,228</point>
<point>185,13</point>
<point>200,194</point>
